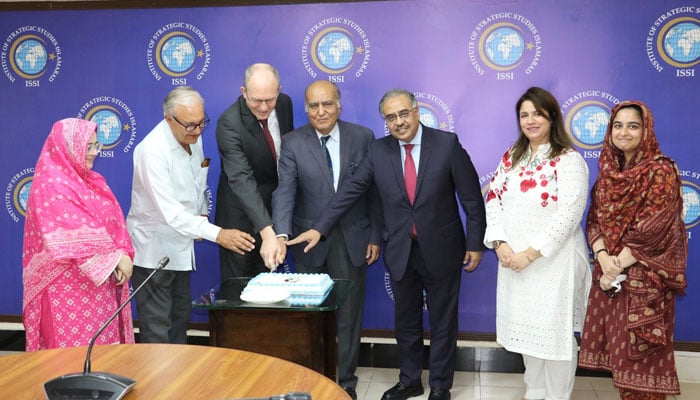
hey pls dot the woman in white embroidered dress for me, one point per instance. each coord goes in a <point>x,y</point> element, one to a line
<point>534,209</point>
<point>77,253</point>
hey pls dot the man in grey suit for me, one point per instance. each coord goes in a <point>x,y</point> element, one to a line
<point>249,134</point>
<point>315,161</point>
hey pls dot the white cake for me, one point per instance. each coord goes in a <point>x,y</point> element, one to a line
<point>305,289</point>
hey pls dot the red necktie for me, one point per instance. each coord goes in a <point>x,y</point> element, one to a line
<point>409,178</point>
<point>268,138</point>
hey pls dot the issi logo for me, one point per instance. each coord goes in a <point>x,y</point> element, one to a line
<point>673,42</point>
<point>17,194</point>
<point>178,51</point>
<point>506,45</point>
<point>691,201</point>
<point>335,48</point>
<point>586,115</point>
<point>116,123</point>
<point>31,54</point>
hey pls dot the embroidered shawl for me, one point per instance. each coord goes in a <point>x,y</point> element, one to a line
<point>73,218</point>
<point>639,205</point>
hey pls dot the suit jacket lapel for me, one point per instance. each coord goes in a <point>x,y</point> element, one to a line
<point>251,122</point>
<point>345,146</point>
<point>425,152</point>
<point>397,165</point>
<point>255,129</point>
<point>282,109</point>
<point>316,151</point>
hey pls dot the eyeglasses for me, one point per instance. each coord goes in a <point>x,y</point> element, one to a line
<point>403,114</point>
<point>256,102</point>
<point>192,127</point>
<point>94,147</point>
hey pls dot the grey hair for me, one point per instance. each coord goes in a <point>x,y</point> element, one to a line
<point>181,96</point>
<point>251,70</point>
<point>394,93</point>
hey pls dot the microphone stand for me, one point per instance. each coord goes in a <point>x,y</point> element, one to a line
<point>97,385</point>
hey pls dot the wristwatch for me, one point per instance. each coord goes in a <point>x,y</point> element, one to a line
<point>497,244</point>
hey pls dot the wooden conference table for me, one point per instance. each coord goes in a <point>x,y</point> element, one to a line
<point>168,371</point>
<point>305,335</point>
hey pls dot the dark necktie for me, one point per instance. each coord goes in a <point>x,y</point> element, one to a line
<point>409,178</point>
<point>324,141</point>
<point>268,138</point>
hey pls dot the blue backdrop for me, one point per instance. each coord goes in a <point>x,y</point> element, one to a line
<point>467,62</point>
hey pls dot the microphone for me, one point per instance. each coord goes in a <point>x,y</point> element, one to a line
<point>96,385</point>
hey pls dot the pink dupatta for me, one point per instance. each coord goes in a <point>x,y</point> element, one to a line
<point>73,220</point>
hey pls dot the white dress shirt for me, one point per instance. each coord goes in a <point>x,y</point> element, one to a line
<point>168,201</point>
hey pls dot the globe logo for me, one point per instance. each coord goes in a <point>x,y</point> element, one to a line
<point>504,46</point>
<point>428,118</point>
<point>109,126</point>
<point>333,47</point>
<point>335,50</point>
<point>589,124</point>
<point>23,197</point>
<point>31,57</point>
<point>691,205</point>
<point>178,54</point>
<point>682,42</point>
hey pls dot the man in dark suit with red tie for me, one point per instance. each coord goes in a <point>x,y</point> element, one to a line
<point>424,240</point>
<point>249,134</point>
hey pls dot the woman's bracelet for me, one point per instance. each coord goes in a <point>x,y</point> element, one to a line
<point>597,252</point>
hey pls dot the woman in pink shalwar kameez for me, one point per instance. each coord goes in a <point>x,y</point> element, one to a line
<point>77,253</point>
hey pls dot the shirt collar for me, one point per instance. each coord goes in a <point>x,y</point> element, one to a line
<point>173,144</point>
<point>335,133</point>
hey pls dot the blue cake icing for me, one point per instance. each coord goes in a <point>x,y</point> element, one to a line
<point>304,289</point>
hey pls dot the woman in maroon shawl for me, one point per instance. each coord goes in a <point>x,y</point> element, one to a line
<point>77,253</point>
<point>635,228</point>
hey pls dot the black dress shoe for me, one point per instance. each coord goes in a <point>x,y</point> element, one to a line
<point>350,391</point>
<point>439,394</point>
<point>402,391</point>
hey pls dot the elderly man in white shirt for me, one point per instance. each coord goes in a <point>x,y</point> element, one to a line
<point>168,212</point>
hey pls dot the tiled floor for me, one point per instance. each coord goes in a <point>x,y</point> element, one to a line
<point>497,386</point>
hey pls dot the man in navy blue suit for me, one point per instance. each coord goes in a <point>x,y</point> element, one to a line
<point>417,171</point>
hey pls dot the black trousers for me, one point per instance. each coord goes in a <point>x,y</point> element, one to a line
<point>442,298</point>
<point>349,316</point>
<point>164,305</point>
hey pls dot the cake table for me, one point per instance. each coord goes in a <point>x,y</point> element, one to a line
<point>305,335</point>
